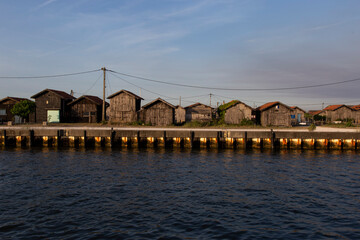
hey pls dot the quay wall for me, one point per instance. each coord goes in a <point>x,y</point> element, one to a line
<point>187,138</point>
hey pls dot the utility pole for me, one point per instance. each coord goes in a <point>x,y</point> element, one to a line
<point>180,101</point>
<point>210,108</point>
<point>103,106</point>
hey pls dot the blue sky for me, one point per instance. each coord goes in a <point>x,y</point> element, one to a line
<point>215,43</point>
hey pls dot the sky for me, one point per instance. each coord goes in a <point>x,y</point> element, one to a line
<point>234,44</point>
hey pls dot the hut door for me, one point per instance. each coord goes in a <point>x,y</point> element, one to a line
<point>17,119</point>
<point>53,116</point>
<point>299,117</point>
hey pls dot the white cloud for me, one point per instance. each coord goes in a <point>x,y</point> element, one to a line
<point>44,4</point>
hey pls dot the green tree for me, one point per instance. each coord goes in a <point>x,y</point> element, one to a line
<point>23,108</point>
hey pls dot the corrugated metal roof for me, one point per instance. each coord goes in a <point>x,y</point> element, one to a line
<point>296,107</point>
<point>197,104</point>
<point>16,99</point>
<point>124,91</point>
<point>158,100</point>
<point>94,99</point>
<point>61,94</point>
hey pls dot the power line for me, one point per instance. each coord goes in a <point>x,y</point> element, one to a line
<point>92,85</point>
<point>51,76</point>
<point>140,87</point>
<point>164,97</point>
<point>236,89</point>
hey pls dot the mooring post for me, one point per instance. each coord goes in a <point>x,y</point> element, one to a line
<point>85,140</point>
<point>112,134</point>
<point>355,143</point>
<point>245,140</point>
<point>327,144</point>
<point>31,138</point>
<point>58,138</point>
<point>192,134</point>
<point>218,137</point>
<point>272,139</point>
<point>5,138</point>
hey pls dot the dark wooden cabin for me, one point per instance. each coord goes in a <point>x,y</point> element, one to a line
<point>274,114</point>
<point>52,106</point>
<point>6,104</point>
<point>298,115</point>
<point>237,111</point>
<point>86,109</point>
<point>339,112</point>
<point>158,113</point>
<point>124,107</point>
<point>199,112</point>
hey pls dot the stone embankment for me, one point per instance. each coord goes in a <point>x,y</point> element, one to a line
<point>322,138</point>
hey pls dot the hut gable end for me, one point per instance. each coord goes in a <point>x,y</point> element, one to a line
<point>6,104</point>
<point>159,113</point>
<point>86,109</point>
<point>124,106</point>
<point>339,112</point>
<point>238,111</point>
<point>52,100</point>
<point>274,114</point>
<point>198,112</point>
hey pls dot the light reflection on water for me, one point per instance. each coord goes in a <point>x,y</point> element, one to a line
<point>183,193</point>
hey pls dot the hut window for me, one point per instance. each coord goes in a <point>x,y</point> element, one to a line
<point>2,111</point>
<point>47,102</point>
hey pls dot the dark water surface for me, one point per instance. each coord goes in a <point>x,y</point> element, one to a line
<point>179,194</point>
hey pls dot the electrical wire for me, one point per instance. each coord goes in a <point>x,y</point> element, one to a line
<point>51,76</point>
<point>92,85</point>
<point>108,81</point>
<point>235,89</point>
<point>158,94</point>
<point>141,87</point>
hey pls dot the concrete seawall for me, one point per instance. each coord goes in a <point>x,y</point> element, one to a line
<point>182,138</point>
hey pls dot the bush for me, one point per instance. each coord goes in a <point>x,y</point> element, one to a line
<point>312,127</point>
<point>349,124</point>
<point>246,122</point>
<point>23,108</point>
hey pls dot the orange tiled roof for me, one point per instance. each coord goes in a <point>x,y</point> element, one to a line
<point>333,107</point>
<point>356,107</point>
<point>267,105</point>
<point>314,112</point>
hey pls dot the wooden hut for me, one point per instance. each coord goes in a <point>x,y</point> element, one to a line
<point>6,104</point>
<point>180,113</point>
<point>235,111</point>
<point>298,115</point>
<point>356,113</point>
<point>158,113</point>
<point>124,107</point>
<point>339,112</point>
<point>86,109</point>
<point>52,106</point>
<point>274,114</point>
<point>199,112</point>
